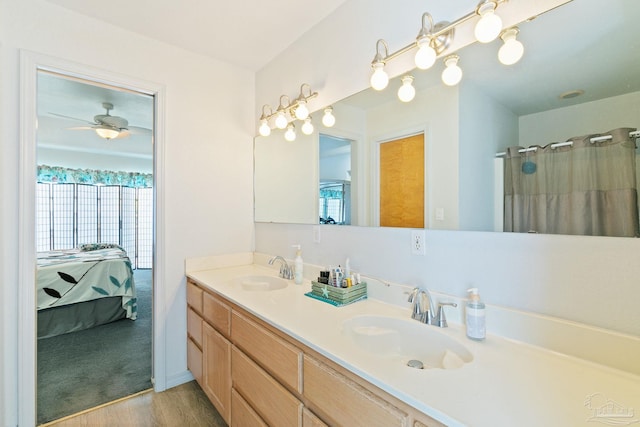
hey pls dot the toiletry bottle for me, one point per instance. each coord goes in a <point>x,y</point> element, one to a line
<point>475,316</point>
<point>298,265</point>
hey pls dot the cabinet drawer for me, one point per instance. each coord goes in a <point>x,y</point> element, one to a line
<point>194,360</point>
<point>310,420</point>
<point>266,396</point>
<point>344,402</point>
<point>216,313</point>
<point>194,296</point>
<point>242,414</point>
<point>277,356</point>
<point>194,326</point>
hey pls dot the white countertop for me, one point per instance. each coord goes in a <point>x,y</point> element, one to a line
<point>507,383</point>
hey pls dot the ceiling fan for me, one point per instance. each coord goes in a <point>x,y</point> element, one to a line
<point>106,125</point>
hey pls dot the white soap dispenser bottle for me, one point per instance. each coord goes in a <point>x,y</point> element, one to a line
<point>475,316</point>
<point>298,266</point>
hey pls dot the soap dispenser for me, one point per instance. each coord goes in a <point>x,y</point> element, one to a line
<point>298,265</point>
<point>475,316</point>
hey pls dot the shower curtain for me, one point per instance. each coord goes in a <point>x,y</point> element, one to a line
<point>588,188</point>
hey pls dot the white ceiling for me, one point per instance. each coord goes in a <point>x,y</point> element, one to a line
<point>247,33</point>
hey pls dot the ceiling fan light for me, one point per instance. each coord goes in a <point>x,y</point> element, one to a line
<point>106,132</point>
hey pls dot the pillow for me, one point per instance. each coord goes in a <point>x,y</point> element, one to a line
<point>96,246</point>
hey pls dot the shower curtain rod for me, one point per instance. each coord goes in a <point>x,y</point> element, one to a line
<point>634,134</point>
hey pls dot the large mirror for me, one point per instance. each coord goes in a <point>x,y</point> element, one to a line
<point>578,48</point>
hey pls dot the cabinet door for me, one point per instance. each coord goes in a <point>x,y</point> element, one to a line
<point>194,360</point>
<point>216,354</point>
<point>243,413</point>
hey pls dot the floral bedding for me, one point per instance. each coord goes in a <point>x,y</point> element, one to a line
<point>84,274</point>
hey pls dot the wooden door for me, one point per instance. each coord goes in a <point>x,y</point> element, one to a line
<point>216,353</point>
<point>402,182</point>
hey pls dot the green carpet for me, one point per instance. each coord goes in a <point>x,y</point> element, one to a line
<point>83,369</point>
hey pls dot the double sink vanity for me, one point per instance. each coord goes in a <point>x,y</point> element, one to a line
<point>268,355</point>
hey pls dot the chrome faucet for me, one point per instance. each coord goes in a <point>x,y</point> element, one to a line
<point>286,272</point>
<point>429,316</point>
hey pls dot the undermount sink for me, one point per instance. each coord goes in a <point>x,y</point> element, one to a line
<point>260,283</point>
<point>407,341</point>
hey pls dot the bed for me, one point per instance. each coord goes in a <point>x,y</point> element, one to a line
<point>83,287</point>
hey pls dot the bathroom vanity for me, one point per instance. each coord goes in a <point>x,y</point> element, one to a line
<point>268,355</point>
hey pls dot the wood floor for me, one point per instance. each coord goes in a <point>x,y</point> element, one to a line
<point>184,405</point>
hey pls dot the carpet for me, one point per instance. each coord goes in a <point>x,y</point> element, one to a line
<point>80,370</point>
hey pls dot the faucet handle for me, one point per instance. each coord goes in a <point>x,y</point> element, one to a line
<point>441,320</point>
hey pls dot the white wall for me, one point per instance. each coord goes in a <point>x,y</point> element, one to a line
<point>209,126</point>
<point>584,279</point>
<point>583,119</point>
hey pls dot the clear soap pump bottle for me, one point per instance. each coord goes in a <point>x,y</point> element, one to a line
<point>298,266</point>
<point>475,316</point>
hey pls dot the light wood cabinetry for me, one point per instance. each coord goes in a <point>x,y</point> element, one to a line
<point>256,375</point>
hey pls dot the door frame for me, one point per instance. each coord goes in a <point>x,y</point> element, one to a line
<point>30,63</point>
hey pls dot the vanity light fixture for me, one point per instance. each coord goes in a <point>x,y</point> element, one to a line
<point>433,40</point>
<point>328,120</point>
<point>307,126</point>
<point>512,49</point>
<point>265,129</point>
<point>489,25</point>
<point>452,74</point>
<point>287,112</point>
<point>379,78</point>
<point>290,134</point>
<point>407,92</point>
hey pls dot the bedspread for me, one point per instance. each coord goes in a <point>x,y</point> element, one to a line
<point>71,276</point>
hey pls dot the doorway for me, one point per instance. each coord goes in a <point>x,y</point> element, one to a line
<point>94,242</point>
<point>31,65</point>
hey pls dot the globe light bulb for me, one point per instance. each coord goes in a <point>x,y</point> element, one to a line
<point>281,120</point>
<point>307,126</point>
<point>328,120</point>
<point>489,25</point>
<point>406,92</point>
<point>290,134</point>
<point>264,129</point>
<point>379,78</point>
<point>512,49</point>
<point>302,112</point>
<point>425,56</point>
<point>452,74</point>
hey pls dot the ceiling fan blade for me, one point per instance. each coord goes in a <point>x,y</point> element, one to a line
<point>138,130</point>
<point>72,118</point>
<point>124,133</point>
<point>80,128</point>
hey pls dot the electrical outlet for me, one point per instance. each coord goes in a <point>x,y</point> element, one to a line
<point>417,242</point>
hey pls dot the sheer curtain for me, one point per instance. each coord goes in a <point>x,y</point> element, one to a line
<point>588,188</point>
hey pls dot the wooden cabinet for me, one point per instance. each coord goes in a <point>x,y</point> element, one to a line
<point>216,360</point>
<point>256,375</point>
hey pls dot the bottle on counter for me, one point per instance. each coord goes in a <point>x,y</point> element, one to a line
<point>475,316</point>
<point>298,265</point>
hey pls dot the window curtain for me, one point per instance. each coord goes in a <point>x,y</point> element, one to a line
<point>60,175</point>
<point>588,188</point>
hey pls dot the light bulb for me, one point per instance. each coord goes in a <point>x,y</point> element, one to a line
<point>512,49</point>
<point>290,134</point>
<point>489,25</point>
<point>406,92</point>
<point>379,78</point>
<point>426,55</point>
<point>107,132</point>
<point>452,74</point>
<point>264,129</point>
<point>302,112</point>
<point>281,120</point>
<point>328,120</point>
<point>307,126</point>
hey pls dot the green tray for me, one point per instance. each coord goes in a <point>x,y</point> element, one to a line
<point>332,302</point>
